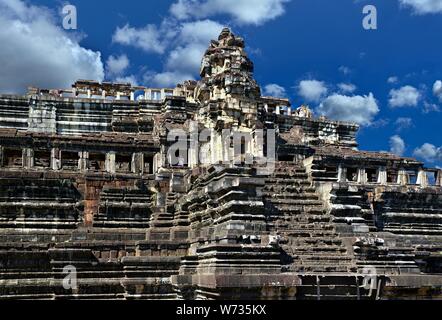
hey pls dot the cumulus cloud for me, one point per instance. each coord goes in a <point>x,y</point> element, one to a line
<point>116,66</point>
<point>312,90</point>
<point>183,44</point>
<point>149,38</point>
<point>429,153</point>
<point>127,79</point>
<point>437,90</point>
<point>166,78</point>
<point>347,87</point>
<point>403,123</point>
<point>397,145</point>
<point>406,96</point>
<point>423,6</point>
<point>393,80</point>
<point>275,90</point>
<point>38,52</point>
<point>430,107</point>
<point>254,12</point>
<point>193,39</point>
<point>358,109</point>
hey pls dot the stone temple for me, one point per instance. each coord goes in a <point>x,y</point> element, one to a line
<point>289,210</point>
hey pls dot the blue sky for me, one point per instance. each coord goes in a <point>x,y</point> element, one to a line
<point>313,51</point>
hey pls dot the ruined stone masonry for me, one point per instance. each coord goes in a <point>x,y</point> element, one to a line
<point>86,181</point>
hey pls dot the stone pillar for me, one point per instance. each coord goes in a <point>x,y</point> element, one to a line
<point>158,162</point>
<point>278,110</point>
<point>342,174</point>
<point>89,94</point>
<point>83,161</point>
<point>422,179</point>
<point>403,178</point>
<point>132,96</point>
<point>138,163</point>
<point>382,175</point>
<point>118,97</point>
<point>110,162</point>
<point>55,159</point>
<point>28,158</point>
<point>439,178</point>
<point>362,176</point>
<point>103,94</point>
<point>289,111</point>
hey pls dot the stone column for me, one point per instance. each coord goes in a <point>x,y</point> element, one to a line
<point>289,111</point>
<point>422,179</point>
<point>132,96</point>
<point>382,175</point>
<point>83,161</point>
<point>138,163</point>
<point>89,94</point>
<point>403,178</point>
<point>103,94</point>
<point>278,110</point>
<point>28,158</point>
<point>2,152</point>
<point>362,176</point>
<point>439,178</point>
<point>159,161</point>
<point>110,162</point>
<point>55,159</point>
<point>342,174</point>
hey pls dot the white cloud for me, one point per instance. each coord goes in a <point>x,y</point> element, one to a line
<point>437,90</point>
<point>393,80</point>
<point>183,44</point>
<point>429,153</point>
<point>37,52</point>
<point>149,38</point>
<point>255,12</point>
<point>358,109</point>
<point>312,90</point>
<point>116,66</point>
<point>430,107</point>
<point>380,123</point>
<point>275,90</point>
<point>193,40</point>
<point>403,123</point>
<point>127,79</point>
<point>397,145</point>
<point>423,6</point>
<point>166,79</point>
<point>347,87</point>
<point>406,96</point>
<point>345,70</point>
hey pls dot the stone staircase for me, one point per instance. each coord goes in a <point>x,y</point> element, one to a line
<point>123,208</point>
<point>410,213</point>
<point>295,212</point>
<point>32,202</point>
<point>350,207</point>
